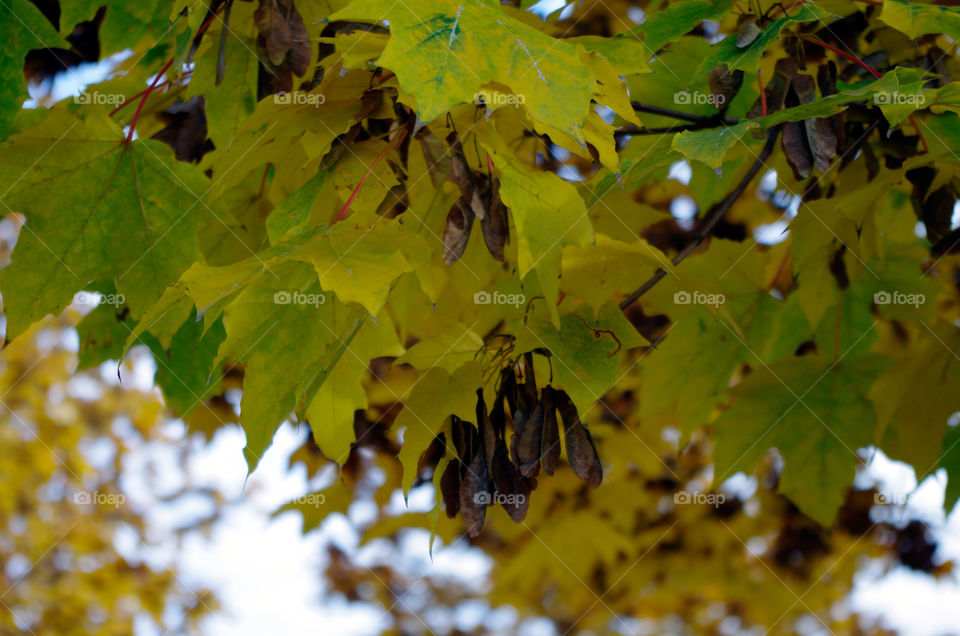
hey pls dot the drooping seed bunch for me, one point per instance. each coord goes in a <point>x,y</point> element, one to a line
<point>484,473</point>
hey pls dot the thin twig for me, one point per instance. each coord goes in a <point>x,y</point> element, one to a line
<point>631,131</point>
<point>706,120</point>
<point>710,220</point>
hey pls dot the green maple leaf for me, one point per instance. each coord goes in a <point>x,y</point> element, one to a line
<point>665,26</point>
<point>816,414</point>
<point>331,412</point>
<point>915,398</point>
<point>95,209</point>
<point>443,51</point>
<point>583,351</point>
<point>747,58</point>
<point>549,214</point>
<point>916,19</point>
<point>290,336</point>
<point>950,460</point>
<point>124,23</point>
<point>230,102</point>
<point>22,29</point>
<point>435,397</point>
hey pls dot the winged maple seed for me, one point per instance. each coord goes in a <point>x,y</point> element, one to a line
<point>481,473</point>
<point>479,198</point>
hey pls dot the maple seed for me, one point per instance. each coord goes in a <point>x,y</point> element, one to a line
<point>474,494</point>
<point>581,451</point>
<point>450,488</point>
<point>550,438</point>
<point>457,231</point>
<point>525,443</point>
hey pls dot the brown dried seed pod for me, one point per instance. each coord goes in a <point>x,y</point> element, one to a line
<point>450,488</point>
<point>581,451</point>
<point>525,444</point>
<point>496,229</point>
<point>550,438</point>
<point>475,494</point>
<point>793,140</point>
<point>512,488</point>
<point>456,234</point>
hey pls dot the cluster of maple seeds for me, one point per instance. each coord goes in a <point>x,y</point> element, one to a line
<point>483,473</point>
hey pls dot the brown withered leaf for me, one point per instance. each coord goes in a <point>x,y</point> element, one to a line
<point>581,451</point>
<point>450,488</point>
<point>475,494</point>
<point>550,438</point>
<point>496,228</point>
<point>457,231</point>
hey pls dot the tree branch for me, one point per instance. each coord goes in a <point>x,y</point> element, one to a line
<point>712,217</point>
<point>634,130</point>
<point>705,121</point>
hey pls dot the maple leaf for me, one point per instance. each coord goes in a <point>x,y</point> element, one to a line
<point>130,216</point>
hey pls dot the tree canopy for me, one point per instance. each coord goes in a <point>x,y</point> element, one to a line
<point>572,271</point>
